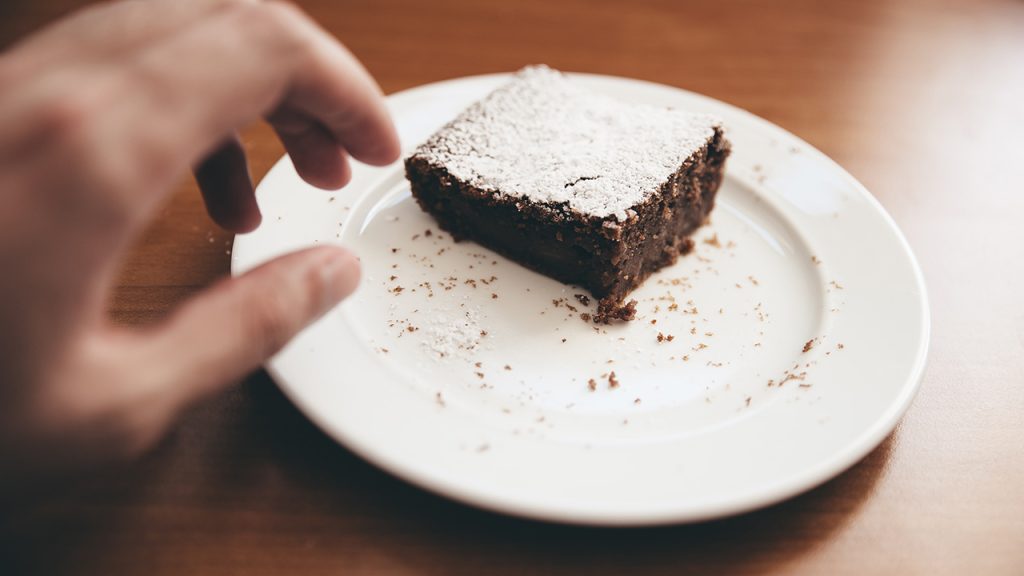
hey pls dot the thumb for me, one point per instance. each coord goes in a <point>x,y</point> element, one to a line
<point>236,325</point>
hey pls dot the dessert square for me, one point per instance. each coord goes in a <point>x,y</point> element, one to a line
<point>576,185</point>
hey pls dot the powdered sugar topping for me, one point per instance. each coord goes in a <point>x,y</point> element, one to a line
<point>547,139</point>
<point>454,336</point>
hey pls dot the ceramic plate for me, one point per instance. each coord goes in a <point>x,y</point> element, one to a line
<point>778,353</point>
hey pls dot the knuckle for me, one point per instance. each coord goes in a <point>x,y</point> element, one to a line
<point>284,309</point>
<point>66,117</point>
<point>72,126</point>
<point>314,291</point>
<point>272,323</point>
<point>116,174</point>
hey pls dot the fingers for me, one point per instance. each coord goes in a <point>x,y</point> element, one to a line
<point>256,60</point>
<point>314,152</point>
<point>329,75</point>
<point>134,121</point>
<point>238,324</point>
<point>116,391</point>
<point>224,180</point>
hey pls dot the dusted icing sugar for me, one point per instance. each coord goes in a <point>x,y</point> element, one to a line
<point>544,138</point>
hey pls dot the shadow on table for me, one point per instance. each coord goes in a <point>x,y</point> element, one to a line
<point>247,485</point>
<point>423,530</point>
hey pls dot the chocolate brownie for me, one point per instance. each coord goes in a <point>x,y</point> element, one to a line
<point>576,185</point>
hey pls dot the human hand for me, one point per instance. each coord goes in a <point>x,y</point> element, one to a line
<point>101,113</point>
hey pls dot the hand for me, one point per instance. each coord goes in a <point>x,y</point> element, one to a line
<point>101,113</point>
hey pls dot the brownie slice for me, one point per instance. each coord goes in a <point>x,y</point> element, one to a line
<point>578,186</point>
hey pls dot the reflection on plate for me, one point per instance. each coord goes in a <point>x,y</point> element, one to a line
<point>771,358</point>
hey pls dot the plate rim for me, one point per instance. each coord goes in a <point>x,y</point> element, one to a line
<point>800,481</point>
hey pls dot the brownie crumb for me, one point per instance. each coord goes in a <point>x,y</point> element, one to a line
<point>592,384</point>
<point>613,382</point>
<point>713,241</point>
<point>585,316</point>
<point>608,311</point>
<point>808,345</point>
<point>583,299</point>
<point>788,375</point>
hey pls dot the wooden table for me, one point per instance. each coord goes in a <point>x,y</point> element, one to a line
<point>922,100</point>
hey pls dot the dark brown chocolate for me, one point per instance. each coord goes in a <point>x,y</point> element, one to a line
<point>607,257</point>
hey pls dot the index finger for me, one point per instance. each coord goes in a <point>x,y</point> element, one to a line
<point>193,89</point>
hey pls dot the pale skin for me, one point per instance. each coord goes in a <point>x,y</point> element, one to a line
<point>102,113</point>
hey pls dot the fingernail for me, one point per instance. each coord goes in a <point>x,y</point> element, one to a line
<point>340,275</point>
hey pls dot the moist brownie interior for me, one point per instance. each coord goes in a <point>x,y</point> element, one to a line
<point>575,185</point>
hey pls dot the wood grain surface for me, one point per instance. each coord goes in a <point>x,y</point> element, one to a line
<point>923,101</point>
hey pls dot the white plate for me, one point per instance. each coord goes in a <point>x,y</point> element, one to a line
<point>727,415</point>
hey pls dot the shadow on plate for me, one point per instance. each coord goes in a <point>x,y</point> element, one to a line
<point>247,485</point>
<point>424,533</point>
